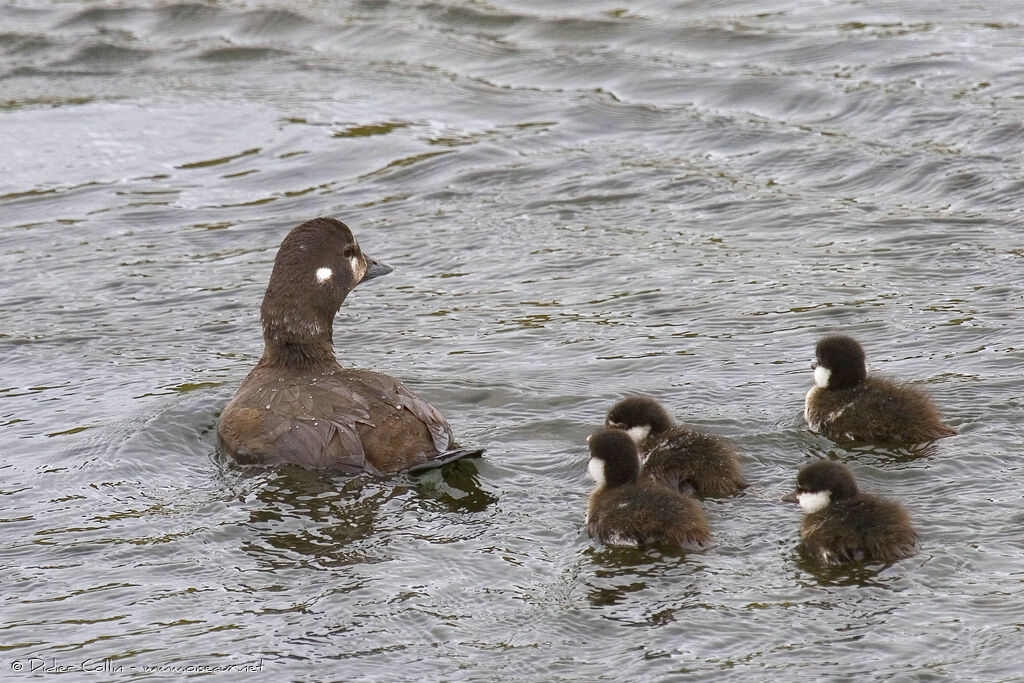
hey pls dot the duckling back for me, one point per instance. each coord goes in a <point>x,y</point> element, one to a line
<point>875,410</point>
<point>646,514</point>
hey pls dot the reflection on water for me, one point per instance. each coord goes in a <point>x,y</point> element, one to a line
<point>455,487</point>
<point>880,453</point>
<point>318,519</point>
<point>619,573</point>
<point>311,519</point>
<point>857,575</point>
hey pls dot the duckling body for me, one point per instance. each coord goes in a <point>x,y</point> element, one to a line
<point>691,461</point>
<point>842,524</point>
<point>847,403</point>
<point>625,510</point>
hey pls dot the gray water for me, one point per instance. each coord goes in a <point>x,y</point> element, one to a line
<point>580,200</point>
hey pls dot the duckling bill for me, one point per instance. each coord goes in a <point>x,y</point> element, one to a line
<point>299,406</point>
<point>627,510</point>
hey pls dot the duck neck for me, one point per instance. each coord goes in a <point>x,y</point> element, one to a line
<point>301,340</point>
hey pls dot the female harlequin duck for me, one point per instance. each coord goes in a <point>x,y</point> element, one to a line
<point>843,525</point>
<point>627,510</point>
<point>298,405</point>
<point>693,462</point>
<point>847,403</point>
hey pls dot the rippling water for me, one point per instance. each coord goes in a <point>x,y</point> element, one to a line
<point>581,200</point>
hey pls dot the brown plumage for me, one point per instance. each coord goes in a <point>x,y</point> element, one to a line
<point>844,525</point>
<point>347,420</point>
<point>623,510</point>
<point>298,405</point>
<point>848,403</point>
<point>691,461</point>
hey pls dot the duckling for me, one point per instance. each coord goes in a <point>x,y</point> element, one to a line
<point>691,461</point>
<point>627,510</point>
<point>841,524</point>
<point>848,403</point>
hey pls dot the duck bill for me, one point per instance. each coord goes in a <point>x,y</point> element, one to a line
<point>790,498</point>
<point>375,268</point>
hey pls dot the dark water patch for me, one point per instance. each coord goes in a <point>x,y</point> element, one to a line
<point>370,129</point>
<point>103,58</point>
<point>219,161</point>
<point>478,21</point>
<point>240,54</point>
<point>185,18</point>
<point>99,16</point>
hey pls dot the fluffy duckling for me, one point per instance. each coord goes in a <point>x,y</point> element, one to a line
<point>693,462</point>
<point>848,403</point>
<point>627,510</point>
<point>841,524</point>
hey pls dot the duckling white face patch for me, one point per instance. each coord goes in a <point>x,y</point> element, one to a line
<point>639,433</point>
<point>812,502</point>
<point>595,468</point>
<point>324,274</point>
<point>821,375</point>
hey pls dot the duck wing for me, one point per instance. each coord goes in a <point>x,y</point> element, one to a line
<point>304,422</point>
<point>352,421</point>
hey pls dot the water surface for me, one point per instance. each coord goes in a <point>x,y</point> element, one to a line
<point>581,200</point>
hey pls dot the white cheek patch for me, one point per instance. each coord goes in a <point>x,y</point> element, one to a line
<point>595,468</point>
<point>358,267</point>
<point>812,502</point>
<point>324,274</point>
<point>639,433</point>
<point>821,375</point>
